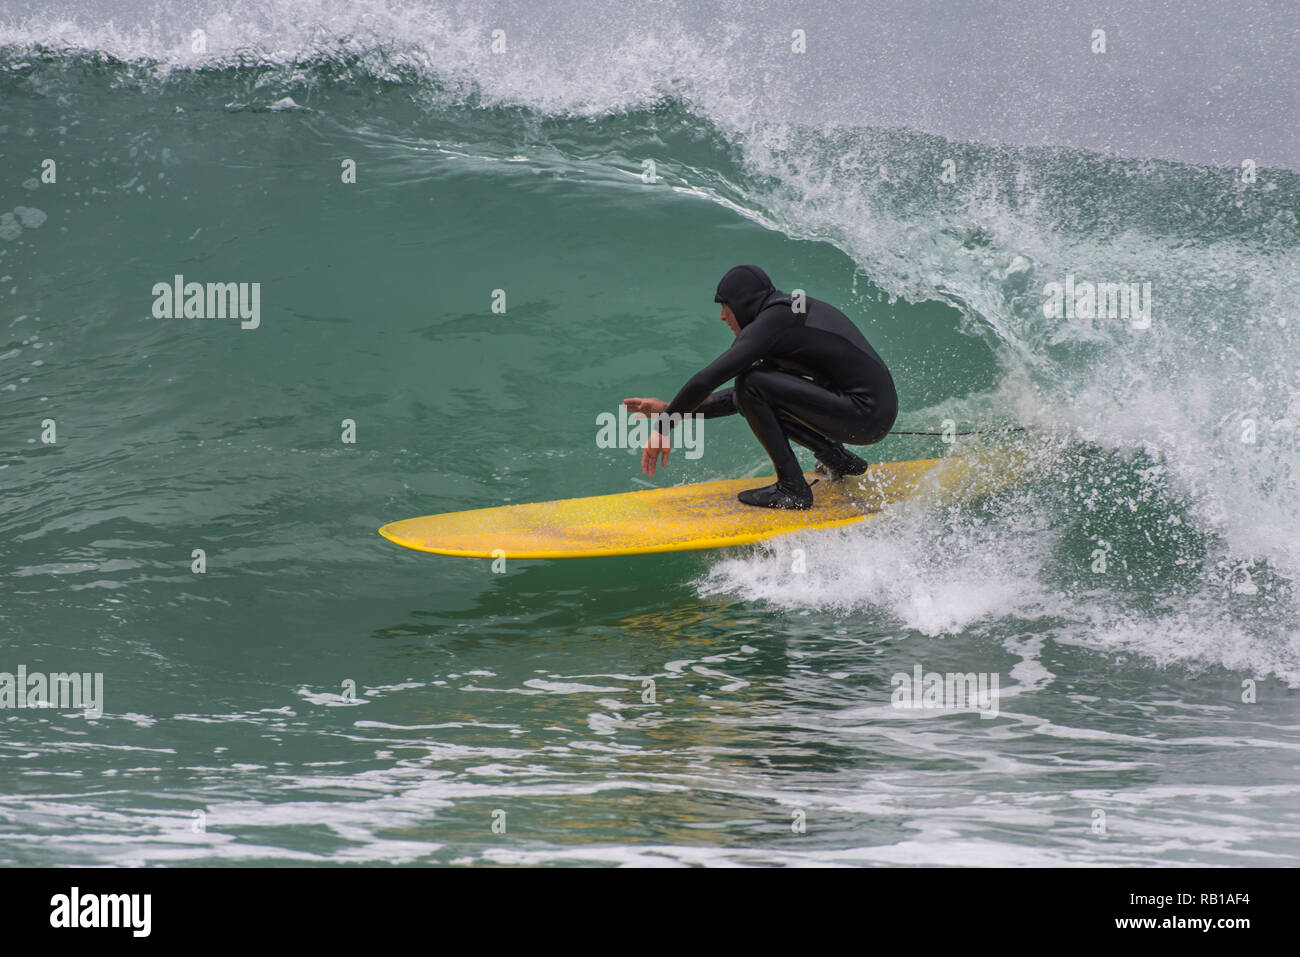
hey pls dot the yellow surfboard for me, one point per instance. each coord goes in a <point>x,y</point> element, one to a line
<point>690,517</point>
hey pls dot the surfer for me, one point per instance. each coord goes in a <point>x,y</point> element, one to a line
<point>803,371</point>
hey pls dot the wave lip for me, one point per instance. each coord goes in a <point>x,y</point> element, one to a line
<point>1029,79</point>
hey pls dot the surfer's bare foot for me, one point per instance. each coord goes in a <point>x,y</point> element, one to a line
<point>779,495</point>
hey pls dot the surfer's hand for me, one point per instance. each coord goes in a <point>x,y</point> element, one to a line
<point>646,406</point>
<point>657,446</point>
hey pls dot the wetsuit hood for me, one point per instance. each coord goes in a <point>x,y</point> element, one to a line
<point>745,289</point>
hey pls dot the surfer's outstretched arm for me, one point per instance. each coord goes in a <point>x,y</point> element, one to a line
<point>645,406</point>
<point>752,344</point>
<point>658,445</point>
<point>719,404</point>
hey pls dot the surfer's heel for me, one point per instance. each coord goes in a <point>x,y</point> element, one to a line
<point>840,462</point>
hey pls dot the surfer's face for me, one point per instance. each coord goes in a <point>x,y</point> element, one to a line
<point>729,318</point>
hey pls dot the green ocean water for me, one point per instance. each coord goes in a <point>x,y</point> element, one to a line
<point>230,732</point>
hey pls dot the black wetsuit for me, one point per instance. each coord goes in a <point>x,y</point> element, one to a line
<point>810,376</point>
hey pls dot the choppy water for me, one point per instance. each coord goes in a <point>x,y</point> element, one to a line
<point>228,734</point>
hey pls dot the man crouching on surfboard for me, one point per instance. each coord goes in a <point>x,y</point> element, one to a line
<point>803,371</point>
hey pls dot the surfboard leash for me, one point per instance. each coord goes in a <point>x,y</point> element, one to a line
<point>1013,428</point>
